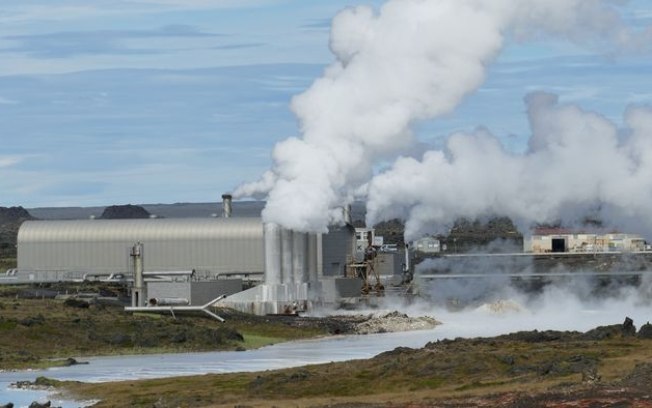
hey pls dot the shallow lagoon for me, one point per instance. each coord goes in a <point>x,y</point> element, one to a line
<point>563,314</point>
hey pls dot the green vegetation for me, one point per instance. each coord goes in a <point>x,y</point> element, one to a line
<point>44,332</point>
<point>442,371</point>
<point>7,263</point>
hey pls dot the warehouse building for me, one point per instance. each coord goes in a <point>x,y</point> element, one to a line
<point>558,240</point>
<point>77,249</point>
<point>187,256</point>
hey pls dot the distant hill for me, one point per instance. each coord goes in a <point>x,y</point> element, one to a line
<point>10,220</point>
<point>116,212</point>
<point>14,214</point>
<point>177,210</point>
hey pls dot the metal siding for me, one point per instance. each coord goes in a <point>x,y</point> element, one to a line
<point>336,249</point>
<point>215,244</point>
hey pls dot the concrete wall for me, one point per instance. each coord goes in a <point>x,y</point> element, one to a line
<point>197,293</point>
<point>204,292</point>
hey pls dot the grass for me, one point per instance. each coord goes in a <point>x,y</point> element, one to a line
<point>33,332</point>
<point>420,374</point>
<point>7,263</point>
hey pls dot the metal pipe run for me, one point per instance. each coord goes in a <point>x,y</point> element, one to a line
<point>168,302</point>
<point>172,308</point>
<point>169,273</point>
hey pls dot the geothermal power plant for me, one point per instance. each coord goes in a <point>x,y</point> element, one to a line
<point>262,268</point>
<point>252,266</point>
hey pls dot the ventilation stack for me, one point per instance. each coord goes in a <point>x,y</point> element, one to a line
<point>291,278</point>
<point>227,201</point>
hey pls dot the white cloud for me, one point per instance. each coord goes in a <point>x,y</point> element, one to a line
<point>10,161</point>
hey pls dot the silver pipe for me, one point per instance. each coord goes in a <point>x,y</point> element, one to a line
<point>227,200</point>
<point>172,309</point>
<point>272,239</point>
<point>168,273</point>
<point>287,272</point>
<point>299,257</point>
<point>138,292</point>
<point>168,302</point>
<point>312,258</point>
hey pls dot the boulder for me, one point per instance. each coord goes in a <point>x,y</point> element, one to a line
<point>645,332</point>
<point>628,327</point>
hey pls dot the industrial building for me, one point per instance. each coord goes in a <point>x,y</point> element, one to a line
<point>556,240</point>
<point>75,249</point>
<point>427,245</point>
<point>197,259</point>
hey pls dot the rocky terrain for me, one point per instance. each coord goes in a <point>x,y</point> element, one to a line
<point>10,220</point>
<point>608,366</point>
<point>59,320</point>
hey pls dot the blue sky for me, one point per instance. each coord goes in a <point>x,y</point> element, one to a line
<point>163,101</point>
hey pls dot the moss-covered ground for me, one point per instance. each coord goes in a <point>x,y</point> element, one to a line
<point>40,332</point>
<point>505,371</point>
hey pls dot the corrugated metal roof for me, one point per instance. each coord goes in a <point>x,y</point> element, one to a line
<point>139,229</point>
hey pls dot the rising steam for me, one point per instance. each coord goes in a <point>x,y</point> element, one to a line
<point>577,163</point>
<point>415,60</point>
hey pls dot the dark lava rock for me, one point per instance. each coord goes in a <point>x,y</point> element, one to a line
<point>645,332</point>
<point>223,335</point>
<point>13,214</point>
<point>32,321</point>
<point>124,212</point>
<point>36,404</point>
<point>119,340</point>
<point>8,405</point>
<point>603,332</point>
<point>78,303</point>
<point>180,337</point>
<point>641,376</point>
<point>536,336</point>
<point>612,331</point>
<point>38,294</point>
<point>628,327</point>
<point>396,352</point>
<point>71,362</point>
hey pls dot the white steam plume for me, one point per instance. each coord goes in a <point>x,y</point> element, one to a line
<point>413,60</point>
<point>578,162</point>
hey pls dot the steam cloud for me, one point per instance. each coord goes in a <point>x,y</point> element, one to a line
<point>578,163</point>
<point>415,60</point>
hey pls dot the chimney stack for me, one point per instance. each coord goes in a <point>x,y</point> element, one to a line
<point>226,205</point>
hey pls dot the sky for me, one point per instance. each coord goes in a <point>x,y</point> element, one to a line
<point>164,101</point>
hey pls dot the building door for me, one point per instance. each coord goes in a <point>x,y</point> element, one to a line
<point>558,245</point>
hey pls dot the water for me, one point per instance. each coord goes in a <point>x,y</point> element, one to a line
<point>559,314</point>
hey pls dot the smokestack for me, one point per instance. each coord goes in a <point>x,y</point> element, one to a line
<point>226,205</point>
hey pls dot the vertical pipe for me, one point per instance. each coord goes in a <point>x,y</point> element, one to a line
<point>272,237</point>
<point>407,257</point>
<point>287,274</point>
<point>312,258</point>
<point>347,214</point>
<point>138,293</point>
<point>227,200</point>
<point>299,256</point>
<point>320,256</point>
